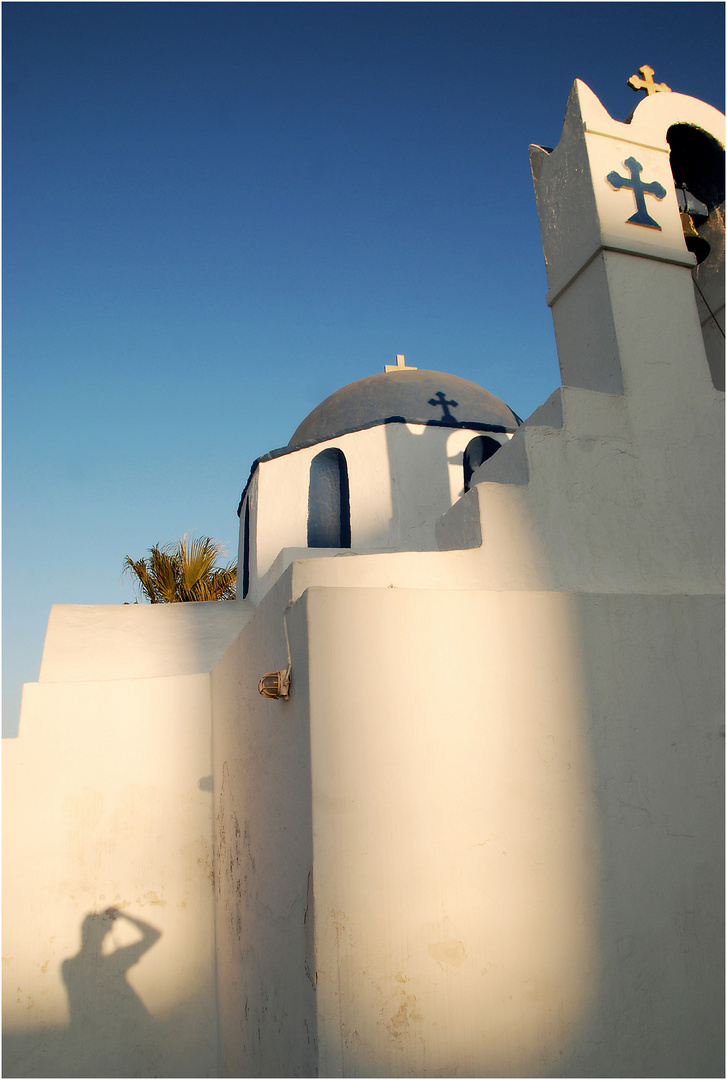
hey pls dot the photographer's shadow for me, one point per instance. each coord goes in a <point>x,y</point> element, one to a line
<point>109,1024</point>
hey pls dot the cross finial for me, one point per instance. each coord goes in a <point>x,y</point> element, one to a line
<point>646,82</point>
<point>400,364</point>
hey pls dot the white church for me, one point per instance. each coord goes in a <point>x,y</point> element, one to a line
<point>441,793</point>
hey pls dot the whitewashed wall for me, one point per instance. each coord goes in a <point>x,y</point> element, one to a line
<point>107,802</point>
<point>455,845</point>
<point>263,852</point>
<point>402,477</point>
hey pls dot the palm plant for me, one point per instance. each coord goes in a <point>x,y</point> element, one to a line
<point>183,571</point>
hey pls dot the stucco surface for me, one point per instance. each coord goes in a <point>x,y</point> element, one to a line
<point>134,641</point>
<point>263,852</point>
<point>498,834</point>
<point>637,479</point>
<point>454,840</point>
<point>107,802</point>
<point>654,680</point>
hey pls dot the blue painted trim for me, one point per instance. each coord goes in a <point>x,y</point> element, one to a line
<point>466,425</point>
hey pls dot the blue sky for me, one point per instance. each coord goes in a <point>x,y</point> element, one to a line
<point>216,214</point>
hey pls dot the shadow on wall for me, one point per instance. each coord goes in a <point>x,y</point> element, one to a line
<point>654,677</point>
<point>428,475</point>
<point>100,999</point>
<point>420,489</point>
<point>111,1032</point>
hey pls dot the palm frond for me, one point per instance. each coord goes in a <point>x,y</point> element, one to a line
<point>182,571</point>
<point>144,582</point>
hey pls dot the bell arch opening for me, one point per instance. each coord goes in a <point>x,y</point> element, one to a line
<point>698,166</point>
<point>697,163</point>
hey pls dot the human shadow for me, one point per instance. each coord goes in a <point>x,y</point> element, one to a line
<point>109,1023</point>
<point>110,1032</point>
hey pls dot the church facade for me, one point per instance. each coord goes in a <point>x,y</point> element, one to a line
<point>441,792</point>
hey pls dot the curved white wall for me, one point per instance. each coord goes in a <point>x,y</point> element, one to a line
<point>401,477</point>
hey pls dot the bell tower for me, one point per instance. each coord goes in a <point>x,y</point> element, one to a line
<point>623,208</point>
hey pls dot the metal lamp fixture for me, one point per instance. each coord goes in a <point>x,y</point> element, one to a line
<point>276,684</point>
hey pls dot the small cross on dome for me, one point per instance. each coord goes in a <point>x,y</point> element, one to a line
<point>400,365</point>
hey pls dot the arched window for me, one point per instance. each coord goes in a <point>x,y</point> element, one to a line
<point>246,551</point>
<point>479,450</point>
<point>329,515</point>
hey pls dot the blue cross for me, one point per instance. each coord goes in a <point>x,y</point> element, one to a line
<point>640,190</point>
<point>441,399</point>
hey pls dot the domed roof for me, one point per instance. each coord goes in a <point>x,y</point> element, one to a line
<point>409,396</point>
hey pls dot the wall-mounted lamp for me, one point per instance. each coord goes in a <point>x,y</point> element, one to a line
<point>276,684</point>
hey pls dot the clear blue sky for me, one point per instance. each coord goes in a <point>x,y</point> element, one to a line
<point>216,214</point>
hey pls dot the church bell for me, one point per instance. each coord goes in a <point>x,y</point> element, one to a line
<point>690,208</point>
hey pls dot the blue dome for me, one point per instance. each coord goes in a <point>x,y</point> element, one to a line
<point>409,396</point>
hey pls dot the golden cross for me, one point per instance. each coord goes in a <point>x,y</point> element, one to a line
<point>646,82</point>
<point>400,365</point>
